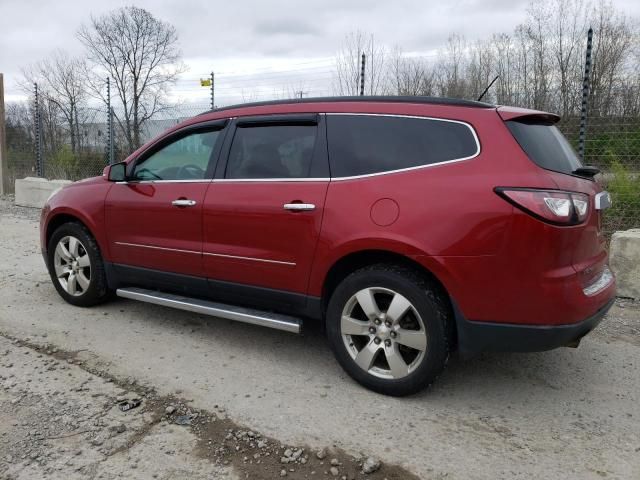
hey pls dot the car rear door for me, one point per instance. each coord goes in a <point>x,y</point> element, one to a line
<point>263,212</point>
<point>154,219</point>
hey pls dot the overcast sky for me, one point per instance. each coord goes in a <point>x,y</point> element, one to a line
<point>240,37</point>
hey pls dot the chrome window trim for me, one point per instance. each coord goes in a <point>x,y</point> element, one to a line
<point>229,180</point>
<point>153,247</point>
<point>400,170</point>
<point>136,182</point>
<point>366,175</point>
<point>253,259</point>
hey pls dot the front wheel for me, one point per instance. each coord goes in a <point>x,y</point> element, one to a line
<point>390,329</point>
<point>76,267</point>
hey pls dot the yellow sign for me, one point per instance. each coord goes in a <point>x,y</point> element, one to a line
<point>205,82</point>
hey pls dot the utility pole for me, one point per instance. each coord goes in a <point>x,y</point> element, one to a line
<point>362,75</point>
<point>4,174</point>
<point>213,104</point>
<point>585,95</point>
<point>301,93</point>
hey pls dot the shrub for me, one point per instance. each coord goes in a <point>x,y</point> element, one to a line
<point>624,188</point>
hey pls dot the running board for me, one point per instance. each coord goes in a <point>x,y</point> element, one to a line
<point>220,310</point>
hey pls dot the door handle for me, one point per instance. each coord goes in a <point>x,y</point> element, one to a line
<point>183,202</point>
<point>299,207</point>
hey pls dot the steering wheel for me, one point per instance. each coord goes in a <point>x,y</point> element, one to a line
<point>190,171</point>
<point>140,174</point>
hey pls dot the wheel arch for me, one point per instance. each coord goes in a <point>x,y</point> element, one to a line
<point>362,258</point>
<point>60,218</point>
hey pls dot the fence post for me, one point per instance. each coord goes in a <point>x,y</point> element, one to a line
<point>213,104</point>
<point>4,174</point>
<point>110,146</point>
<point>362,75</point>
<point>38,133</point>
<point>585,95</point>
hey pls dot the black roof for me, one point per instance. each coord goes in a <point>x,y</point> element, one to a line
<point>390,99</point>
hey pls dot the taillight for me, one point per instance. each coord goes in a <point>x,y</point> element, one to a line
<point>551,206</point>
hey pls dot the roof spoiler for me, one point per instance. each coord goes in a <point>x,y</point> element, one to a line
<point>515,113</point>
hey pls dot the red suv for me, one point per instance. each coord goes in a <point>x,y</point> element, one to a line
<point>410,227</point>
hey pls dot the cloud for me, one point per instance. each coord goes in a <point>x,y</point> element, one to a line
<point>282,26</point>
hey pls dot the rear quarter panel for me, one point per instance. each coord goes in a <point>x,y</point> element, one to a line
<point>445,212</point>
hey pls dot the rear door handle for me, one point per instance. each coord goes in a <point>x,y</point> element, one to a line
<point>183,202</point>
<point>299,207</point>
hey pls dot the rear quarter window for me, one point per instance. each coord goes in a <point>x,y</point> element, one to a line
<point>367,144</point>
<point>545,145</point>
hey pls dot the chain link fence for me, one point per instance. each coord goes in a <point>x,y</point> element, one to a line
<point>612,144</point>
<point>45,145</point>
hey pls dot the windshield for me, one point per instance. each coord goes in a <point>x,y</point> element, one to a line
<point>545,145</point>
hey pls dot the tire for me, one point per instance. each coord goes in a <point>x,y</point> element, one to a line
<point>398,300</point>
<point>74,254</point>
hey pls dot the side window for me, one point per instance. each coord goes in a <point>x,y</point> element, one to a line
<point>365,144</point>
<point>271,151</point>
<point>184,159</point>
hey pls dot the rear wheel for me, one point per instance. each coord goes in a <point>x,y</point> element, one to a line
<point>76,267</point>
<point>390,329</point>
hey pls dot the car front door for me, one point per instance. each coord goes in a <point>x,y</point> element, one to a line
<point>154,219</point>
<point>263,212</point>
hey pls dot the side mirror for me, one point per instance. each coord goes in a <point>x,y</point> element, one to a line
<point>118,172</point>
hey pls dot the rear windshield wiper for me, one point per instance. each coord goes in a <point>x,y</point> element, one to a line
<point>586,171</point>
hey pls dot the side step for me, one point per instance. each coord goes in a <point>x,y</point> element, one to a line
<point>220,310</point>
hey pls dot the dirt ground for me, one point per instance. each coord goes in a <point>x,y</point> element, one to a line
<point>219,399</point>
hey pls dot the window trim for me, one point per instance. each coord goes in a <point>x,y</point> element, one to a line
<point>214,125</point>
<point>407,169</point>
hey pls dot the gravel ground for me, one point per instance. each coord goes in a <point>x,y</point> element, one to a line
<point>225,400</point>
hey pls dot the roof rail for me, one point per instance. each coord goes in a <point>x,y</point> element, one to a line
<point>387,98</point>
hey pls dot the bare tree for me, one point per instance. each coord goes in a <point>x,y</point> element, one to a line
<point>410,75</point>
<point>567,29</point>
<point>453,65</point>
<point>348,66</point>
<point>62,82</point>
<point>613,41</point>
<point>140,53</point>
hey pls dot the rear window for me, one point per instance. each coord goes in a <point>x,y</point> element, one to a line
<point>366,144</point>
<point>545,145</point>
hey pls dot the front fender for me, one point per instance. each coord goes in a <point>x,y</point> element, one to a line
<point>83,201</point>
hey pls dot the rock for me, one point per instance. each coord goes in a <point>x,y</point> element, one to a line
<point>288,452</point>
<point>335,462</point>
<point>321,454</point>
<point>170,409</point>
<point>370,465</point>
<point>283,473</point>
<point>119,428</point>
<point>334,471</point>
<point>183,420</point>
<point>262,444</point>
<point>624,255</point>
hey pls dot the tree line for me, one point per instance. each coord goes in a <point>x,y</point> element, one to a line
<point>540,64</point>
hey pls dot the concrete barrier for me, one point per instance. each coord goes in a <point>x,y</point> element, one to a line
<point>624,258</point>
<point>34,192</point>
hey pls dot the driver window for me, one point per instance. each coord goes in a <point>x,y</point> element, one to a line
<point>184,159</point>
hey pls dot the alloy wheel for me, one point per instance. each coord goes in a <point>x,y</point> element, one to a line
<point>383,333</point>
<point>72,265</point>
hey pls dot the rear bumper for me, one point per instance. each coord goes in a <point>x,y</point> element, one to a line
<point>476,337</point>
